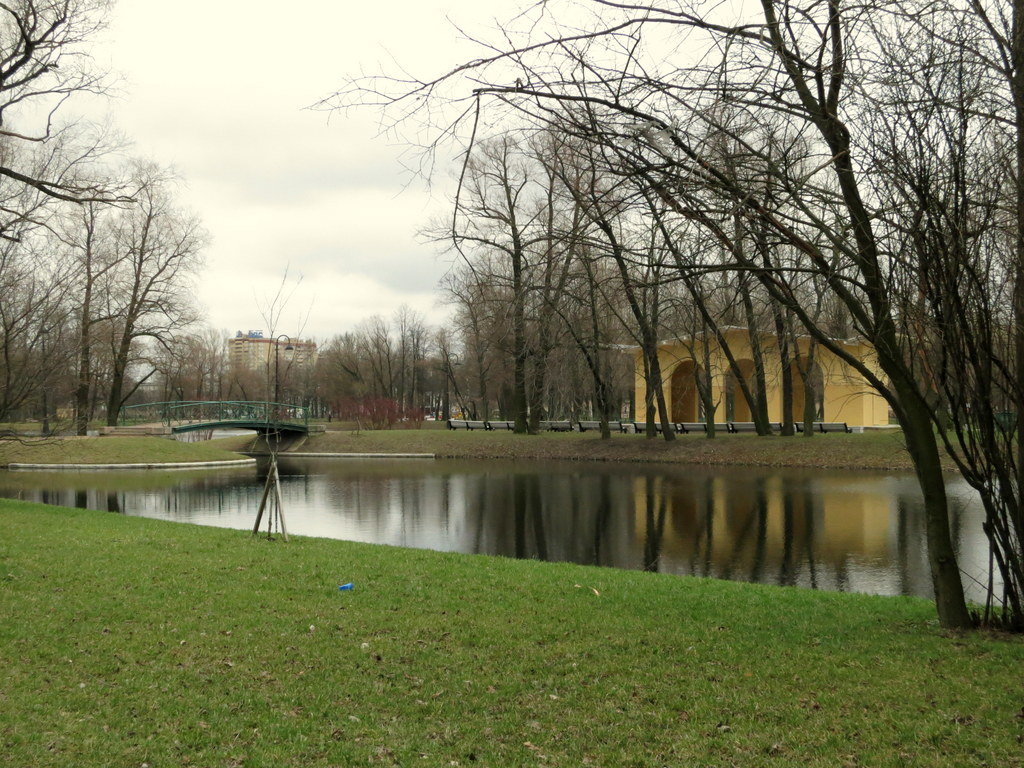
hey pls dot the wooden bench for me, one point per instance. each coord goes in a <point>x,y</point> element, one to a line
<point>640,428</point>
<point>468,425</point>
<point>832,426</point>
<point>824,427</point>
<point>627,427</point>
<point>691,427</point>
<point>499,425</point>
<point>737,427</point>
<point>586,426</point>
<point>556,426</point>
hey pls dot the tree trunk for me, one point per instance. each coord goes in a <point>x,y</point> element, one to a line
<point>1017,88</point>
<point>519,350</point>
<point>758,394</point>
<point>923,448</point>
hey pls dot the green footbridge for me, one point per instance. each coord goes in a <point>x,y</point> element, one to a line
<point>280,419</point>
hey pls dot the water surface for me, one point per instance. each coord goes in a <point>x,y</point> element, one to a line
<point>846,531</point>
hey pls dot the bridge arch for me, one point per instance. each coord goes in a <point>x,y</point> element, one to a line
<point>266,418</point>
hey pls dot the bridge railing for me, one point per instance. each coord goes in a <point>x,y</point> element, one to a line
<point>225,411</point>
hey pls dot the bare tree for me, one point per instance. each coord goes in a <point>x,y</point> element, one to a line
<point>33,318</point>
<point>787,68</point>
<point>159,250</point>
<point>495,211</point>
<point>43,62</point>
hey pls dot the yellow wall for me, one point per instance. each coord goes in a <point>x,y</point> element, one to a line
<point>847,395</point>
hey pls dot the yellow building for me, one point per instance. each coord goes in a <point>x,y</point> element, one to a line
<point>843,393</point>
<point>251,351</point>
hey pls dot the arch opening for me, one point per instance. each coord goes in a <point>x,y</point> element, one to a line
<point>740,406</point>
<point>685,402</point>
<point>800,388</point>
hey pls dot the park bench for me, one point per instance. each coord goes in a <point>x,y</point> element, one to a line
<point>585,426</point>
<point>832,426</point>
<point>627,427</point>
<point>738,427</point>
<point>556,426</point>
<point>506,425</point>
<point>691,427</point>
<point>640,428</point>
<point>468,425</point>
<point>824,427</point>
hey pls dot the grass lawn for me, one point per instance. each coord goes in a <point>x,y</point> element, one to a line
<point>112,450</point>
<point>872,450</point>
<point>130,642</point>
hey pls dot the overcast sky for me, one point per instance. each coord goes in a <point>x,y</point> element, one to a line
<point>217,89</point>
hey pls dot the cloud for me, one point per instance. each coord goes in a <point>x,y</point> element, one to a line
<point>218,89</point>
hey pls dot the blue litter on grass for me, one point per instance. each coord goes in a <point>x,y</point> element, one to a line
<point>346,587</point>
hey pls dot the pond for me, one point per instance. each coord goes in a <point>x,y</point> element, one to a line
<point>835,530</point>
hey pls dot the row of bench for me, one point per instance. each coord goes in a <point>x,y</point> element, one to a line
<point>733,427</point>
<point>550,426</point>
<point>629,427</point>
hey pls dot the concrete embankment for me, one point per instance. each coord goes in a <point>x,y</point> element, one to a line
<point>157,465</point>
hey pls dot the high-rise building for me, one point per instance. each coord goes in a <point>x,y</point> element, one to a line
<point>251,351</point>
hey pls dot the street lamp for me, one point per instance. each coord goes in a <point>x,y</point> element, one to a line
<point>450,360</point>
<point>273,478</point>
<point>46,406</point>
<point>277,363</point>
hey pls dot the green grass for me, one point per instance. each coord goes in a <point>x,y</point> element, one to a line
<point>129,641</point>
<point>873,450</point>
<point>113,450</point>
<point>21,426</point>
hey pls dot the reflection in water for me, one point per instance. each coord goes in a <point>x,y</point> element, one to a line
<point>824,530</point>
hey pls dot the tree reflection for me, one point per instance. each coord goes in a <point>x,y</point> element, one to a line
<point>654,515</point>
<point>602,517</point>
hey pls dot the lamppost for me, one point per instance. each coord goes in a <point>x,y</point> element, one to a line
<point>277,363</point>
<point>450,360</point>
<point>46,406</point>
<point>272,488</point>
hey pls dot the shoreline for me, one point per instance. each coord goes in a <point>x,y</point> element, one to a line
<point>25,467</point>
<point>879,451</point>
<point>333,455</point>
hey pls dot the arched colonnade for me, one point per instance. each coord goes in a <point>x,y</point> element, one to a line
<point>841,394</point>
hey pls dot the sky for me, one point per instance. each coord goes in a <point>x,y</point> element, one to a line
<point>218,90</point>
